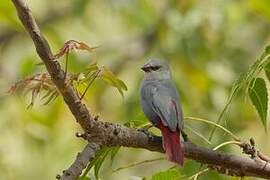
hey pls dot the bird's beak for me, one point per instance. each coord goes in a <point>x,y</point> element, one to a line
<point>145,68</point>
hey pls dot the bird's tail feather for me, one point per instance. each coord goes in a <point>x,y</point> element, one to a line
<point>172,144</point>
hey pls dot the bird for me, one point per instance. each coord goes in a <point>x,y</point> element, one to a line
<point>160,103</point>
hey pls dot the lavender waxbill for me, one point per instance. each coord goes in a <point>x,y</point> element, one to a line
<point>160,103</point>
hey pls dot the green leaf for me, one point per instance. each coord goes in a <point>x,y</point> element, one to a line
<point>258,94</point>
<point>109,77</point>
<point>114,151</point>
<point>267,70</point>
<point>267,50</point>
<point>94,161</point>
<point>134,123</point>
<point>243,83</point>
<point>170,174</point>
<point>99,159</point>
<point>92,67</point>
<point>100,162</point>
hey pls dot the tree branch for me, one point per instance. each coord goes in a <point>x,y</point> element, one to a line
<point>108,134</point>
<point>50,18</point>
<point>82,159</point>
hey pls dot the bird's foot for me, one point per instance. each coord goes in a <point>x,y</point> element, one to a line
<point>185,136</point>
<point>146,131</point>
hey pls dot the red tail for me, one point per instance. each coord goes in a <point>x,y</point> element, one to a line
<point>171,144</point>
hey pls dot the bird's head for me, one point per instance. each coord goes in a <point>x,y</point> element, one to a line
<point>156,69</point>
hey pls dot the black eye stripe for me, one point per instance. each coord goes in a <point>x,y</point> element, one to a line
<point>155,68</point>
<point>151,68</point>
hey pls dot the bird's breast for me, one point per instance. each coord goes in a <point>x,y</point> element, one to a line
<point>146,101</point>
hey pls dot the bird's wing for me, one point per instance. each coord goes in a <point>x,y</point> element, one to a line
<point>166,107</point>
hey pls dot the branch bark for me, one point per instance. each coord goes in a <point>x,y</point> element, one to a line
<point>108,134</point>
<point>54,16</point>
<point>82,159</point>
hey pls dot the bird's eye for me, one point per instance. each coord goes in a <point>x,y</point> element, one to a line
<point>155,68</point>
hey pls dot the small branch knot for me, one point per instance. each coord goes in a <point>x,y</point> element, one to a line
<point>116,131</point>
<point>81,135</point>
<point>252,142</point>
<point>67,173</point>
<point>249,148</point>
<point>58,176</point>
<point>96,117</point>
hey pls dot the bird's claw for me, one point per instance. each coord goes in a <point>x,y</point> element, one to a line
<point>185,136</point>
<point>145,129</point>
<point>146,132</point>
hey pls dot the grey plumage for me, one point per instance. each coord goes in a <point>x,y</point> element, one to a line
<point>159,97</point>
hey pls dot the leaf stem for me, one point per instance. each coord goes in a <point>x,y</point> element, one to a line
<point>214,124</point>
<point>95,74</point>
<point>138,163</point>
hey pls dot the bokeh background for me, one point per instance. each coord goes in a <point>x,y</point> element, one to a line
<point>207,43</point>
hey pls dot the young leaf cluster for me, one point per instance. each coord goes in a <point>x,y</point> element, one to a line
<point>41,85</point>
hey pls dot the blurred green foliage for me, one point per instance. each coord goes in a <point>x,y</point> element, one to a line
<point>170,174</point>
<point>259,97</point>
<point>207,43</point>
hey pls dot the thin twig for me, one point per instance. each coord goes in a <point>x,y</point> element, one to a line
<point>66,65</point>
<point>196,175</point>
<point>138,163</point>
<point>80,163</point>
<point>95,74</point>
<point>214,124</point>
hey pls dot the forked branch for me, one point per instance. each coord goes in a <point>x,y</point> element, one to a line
<point>108,134</point>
